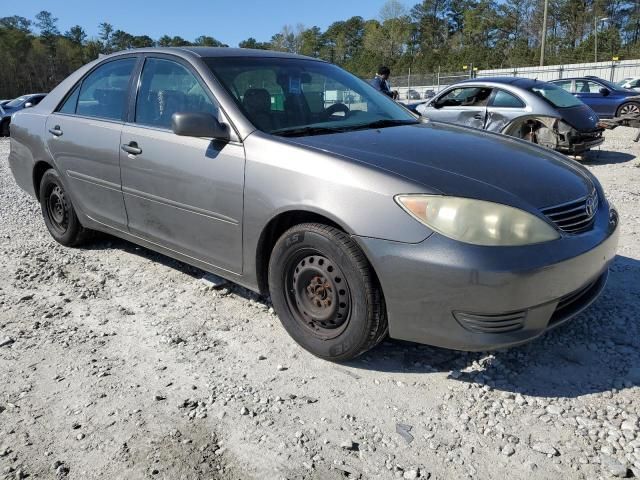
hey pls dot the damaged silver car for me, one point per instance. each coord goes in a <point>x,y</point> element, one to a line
<point>533,110</point>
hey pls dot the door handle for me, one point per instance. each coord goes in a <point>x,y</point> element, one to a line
<point>478,116</point>
<point>56,131</point>
<point>132,148</point>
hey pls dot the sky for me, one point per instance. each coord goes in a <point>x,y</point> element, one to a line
<point>229,21</point>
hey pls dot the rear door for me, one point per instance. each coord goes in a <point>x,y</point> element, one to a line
<point>183,193</point>
<point>503,108</point>
<point>83,136</point>
<point>461,105</point>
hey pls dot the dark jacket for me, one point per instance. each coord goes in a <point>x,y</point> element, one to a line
<point>381,85</point>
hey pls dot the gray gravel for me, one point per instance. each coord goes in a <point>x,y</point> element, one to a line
<point>116,362</point>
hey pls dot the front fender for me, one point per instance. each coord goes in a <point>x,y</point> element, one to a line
<point>281,177</point>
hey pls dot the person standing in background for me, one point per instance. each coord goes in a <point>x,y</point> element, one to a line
<point>381,82</point>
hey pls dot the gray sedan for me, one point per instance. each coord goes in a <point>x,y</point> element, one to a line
<point>536,111</point>
<point>357,219</point>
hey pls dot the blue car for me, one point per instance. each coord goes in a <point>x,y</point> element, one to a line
<point>605,98</point>
<point>11,107</point>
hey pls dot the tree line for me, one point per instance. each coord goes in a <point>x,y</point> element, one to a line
<point>432,35</point>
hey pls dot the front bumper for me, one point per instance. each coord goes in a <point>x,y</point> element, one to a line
<point>465,297</point>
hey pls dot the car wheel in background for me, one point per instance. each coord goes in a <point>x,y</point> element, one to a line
<point>326,293</point>
<point>58,212</point>
<point>4,128</point>
<point>630,108</point>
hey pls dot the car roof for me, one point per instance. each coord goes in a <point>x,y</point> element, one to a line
<point>215,52</point>
<point>521,82</point>
<point>586,77</point>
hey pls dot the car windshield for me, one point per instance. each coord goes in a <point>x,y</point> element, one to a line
<point>16,102</point>
<point>299,97</point>
<point>622,82</point>
<point>556,96</point>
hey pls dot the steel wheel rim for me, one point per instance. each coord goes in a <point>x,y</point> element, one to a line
<point>57,209</point>
<point>629,110</point>
<point>318,294</point>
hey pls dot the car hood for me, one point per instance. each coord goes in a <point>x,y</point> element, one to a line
<point>455,160</point>
<point>580,117</point>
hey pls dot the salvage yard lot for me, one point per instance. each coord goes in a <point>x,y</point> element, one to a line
<point>116,362</point>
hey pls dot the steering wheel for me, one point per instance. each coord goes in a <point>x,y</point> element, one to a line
<point>336,108</point>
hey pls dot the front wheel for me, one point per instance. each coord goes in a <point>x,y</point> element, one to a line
<point>631,108</point>
<point>58,212</point>
<point>4,128</point>
<point>325,292</point>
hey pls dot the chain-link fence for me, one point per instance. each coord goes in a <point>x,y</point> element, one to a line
<point>421,86</point>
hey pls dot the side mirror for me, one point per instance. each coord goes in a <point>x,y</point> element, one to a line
<point>604,92</point>
<point>199,124</point>
<point>28,105</point>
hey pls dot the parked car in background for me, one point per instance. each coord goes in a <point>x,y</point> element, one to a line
<point>605,98</point>
<point>519,107</point>
<point>632,83</point>
<point>359,221</point>
<point>4,102</point>
<point>429,94</point>
<point>413,95</point>
<point>12,106</point>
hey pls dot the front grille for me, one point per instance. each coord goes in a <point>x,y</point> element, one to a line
<point>500,323</point>
<point>576,216</point>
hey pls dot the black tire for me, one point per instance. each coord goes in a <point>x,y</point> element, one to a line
<point>58,212</point>
<point>326,293</point>
<point>4,128</point>
<point>629,108</point>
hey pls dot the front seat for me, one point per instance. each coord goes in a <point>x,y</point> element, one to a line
<point>257,103</point>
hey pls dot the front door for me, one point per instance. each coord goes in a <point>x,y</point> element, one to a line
<point>590,93</point>
<point>462,106</point>
<point>183,193</point>
<point>83,136</point>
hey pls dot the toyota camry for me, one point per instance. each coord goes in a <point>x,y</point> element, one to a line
<point>295,179</point>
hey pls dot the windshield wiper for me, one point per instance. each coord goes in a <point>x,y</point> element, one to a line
<point>303,131</point>
<point>382,124</point>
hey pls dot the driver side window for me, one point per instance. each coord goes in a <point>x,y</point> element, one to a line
<point>466,97</point>
<point>166,87</point>
<point>586,86</point>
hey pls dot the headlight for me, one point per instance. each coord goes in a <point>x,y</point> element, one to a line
<point>476,221</point>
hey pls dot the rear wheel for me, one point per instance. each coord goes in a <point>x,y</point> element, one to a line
<point>58,212</point>
<point>631,108</point>
<point>325,292</point>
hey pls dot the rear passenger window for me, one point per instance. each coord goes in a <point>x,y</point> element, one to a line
<point>506,100</point>
<point>166,88</point>
<point>103,93</point>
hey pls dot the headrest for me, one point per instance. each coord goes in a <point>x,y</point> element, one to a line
<point>257,100</point>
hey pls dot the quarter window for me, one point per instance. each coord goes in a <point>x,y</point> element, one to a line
<point>166,88</point>
<point>103,93</point>
<point>506,100</point>
<point>69,106</point>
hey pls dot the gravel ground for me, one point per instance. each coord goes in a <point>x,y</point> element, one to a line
<point>116,362</point>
